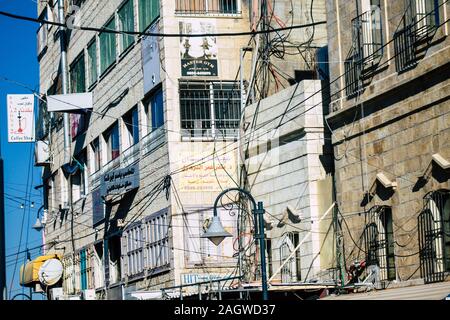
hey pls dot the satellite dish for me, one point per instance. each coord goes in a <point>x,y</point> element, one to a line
<point>50,272</point>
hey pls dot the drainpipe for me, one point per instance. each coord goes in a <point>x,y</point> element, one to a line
<point>63,64</point>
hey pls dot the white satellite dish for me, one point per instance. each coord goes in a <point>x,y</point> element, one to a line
<point>50,272</point>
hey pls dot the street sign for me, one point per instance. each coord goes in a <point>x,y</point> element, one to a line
<point>20,118</point>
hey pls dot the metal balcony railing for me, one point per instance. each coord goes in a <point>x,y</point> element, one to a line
<point>366,50</point>
<point>207,7</point>
<point>417,27</point>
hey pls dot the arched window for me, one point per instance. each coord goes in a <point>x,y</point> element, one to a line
<point>379,241</point>
<point>434,236</point>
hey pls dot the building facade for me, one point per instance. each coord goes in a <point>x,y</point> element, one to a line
<point>165,137</point>
<point>390,122</point>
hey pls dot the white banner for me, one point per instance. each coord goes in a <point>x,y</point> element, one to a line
<point>20,117</point>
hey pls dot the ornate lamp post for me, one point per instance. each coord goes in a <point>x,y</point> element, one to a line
<point>216,233</point>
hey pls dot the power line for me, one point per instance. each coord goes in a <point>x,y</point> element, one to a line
<point>153,34</point>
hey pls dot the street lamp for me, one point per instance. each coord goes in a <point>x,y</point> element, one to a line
<point>39,225</point>
<point>216,233</point>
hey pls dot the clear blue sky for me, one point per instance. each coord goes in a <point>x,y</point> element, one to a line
<point>18,62</point>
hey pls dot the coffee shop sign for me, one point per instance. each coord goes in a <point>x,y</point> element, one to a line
<point>120,181</point>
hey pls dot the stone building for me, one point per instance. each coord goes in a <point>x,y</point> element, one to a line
<point>163,140</point>
<point>126,214</point>
<point>390,122</point>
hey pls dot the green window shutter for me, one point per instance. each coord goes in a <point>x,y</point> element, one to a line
<point>92,62</point>
<point>126,20</point>
<point>148,12</point>
<point>107,47</point>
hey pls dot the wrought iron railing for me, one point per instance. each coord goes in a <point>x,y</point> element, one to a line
<point>434,246</point>
<point>207,7</point>
<point>417,27</point>
<point>379,242</point>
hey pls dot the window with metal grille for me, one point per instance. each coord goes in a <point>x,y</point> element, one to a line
<point>379,241</point>
<point>207,6</point>
<point>201,251</point>
<point>434,236</point>
<point>210,108</point>
<point>146,245</point>
<point>367,46</point>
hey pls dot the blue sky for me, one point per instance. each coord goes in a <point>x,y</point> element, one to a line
<point>18,62</point>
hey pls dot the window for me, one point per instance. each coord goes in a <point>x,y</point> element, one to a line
<point>207,6</point>
<point>210,109</point>
<point>126,23</point>
<point>78,122</point>
<point>367,46</point>
<point>79,178</point>
<point>92,62</point>
<point>131,121</point>
<point>112,142</point>
<point>201,251</point>
<point>96,164</point>
<point>424,14</point>
<point>146,245</point>
<point>107,47</point>
<point>434,236</point>
<point>154,109</point>
<point>77,75</point>
<point>291,272</point>
<point>148,12</point>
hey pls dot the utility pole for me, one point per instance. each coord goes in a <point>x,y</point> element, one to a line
<point>2,232</point>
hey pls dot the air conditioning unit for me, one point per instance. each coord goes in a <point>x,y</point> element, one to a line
<point>88,294</point>
<point>56,294</point>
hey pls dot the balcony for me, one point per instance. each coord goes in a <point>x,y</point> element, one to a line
<point>412,37</point>
<point>366,51</point>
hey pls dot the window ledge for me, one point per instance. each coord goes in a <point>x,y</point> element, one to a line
<point>107,71</point>
<point>124,53</point>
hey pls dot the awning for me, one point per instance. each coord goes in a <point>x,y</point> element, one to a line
<point>29,274</point>
<point>434,291</point>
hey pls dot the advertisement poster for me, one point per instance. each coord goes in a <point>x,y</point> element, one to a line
<point>198,54</point>
<point>208,175</point>
<point>20,118</point>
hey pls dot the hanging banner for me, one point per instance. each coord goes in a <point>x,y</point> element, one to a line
<point>150,60</point>
<point>20,117</point>
<point>198,54</point>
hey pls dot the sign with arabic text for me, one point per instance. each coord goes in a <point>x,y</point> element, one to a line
<point>120,181</point>
<point>20,117</point>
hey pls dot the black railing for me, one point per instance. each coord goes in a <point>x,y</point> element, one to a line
<point>433,240</point>
<point>207,7</point>
<point>405,53</point>
<point>417,27</point>
<point>379,241</point>
<point>366,51</point>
